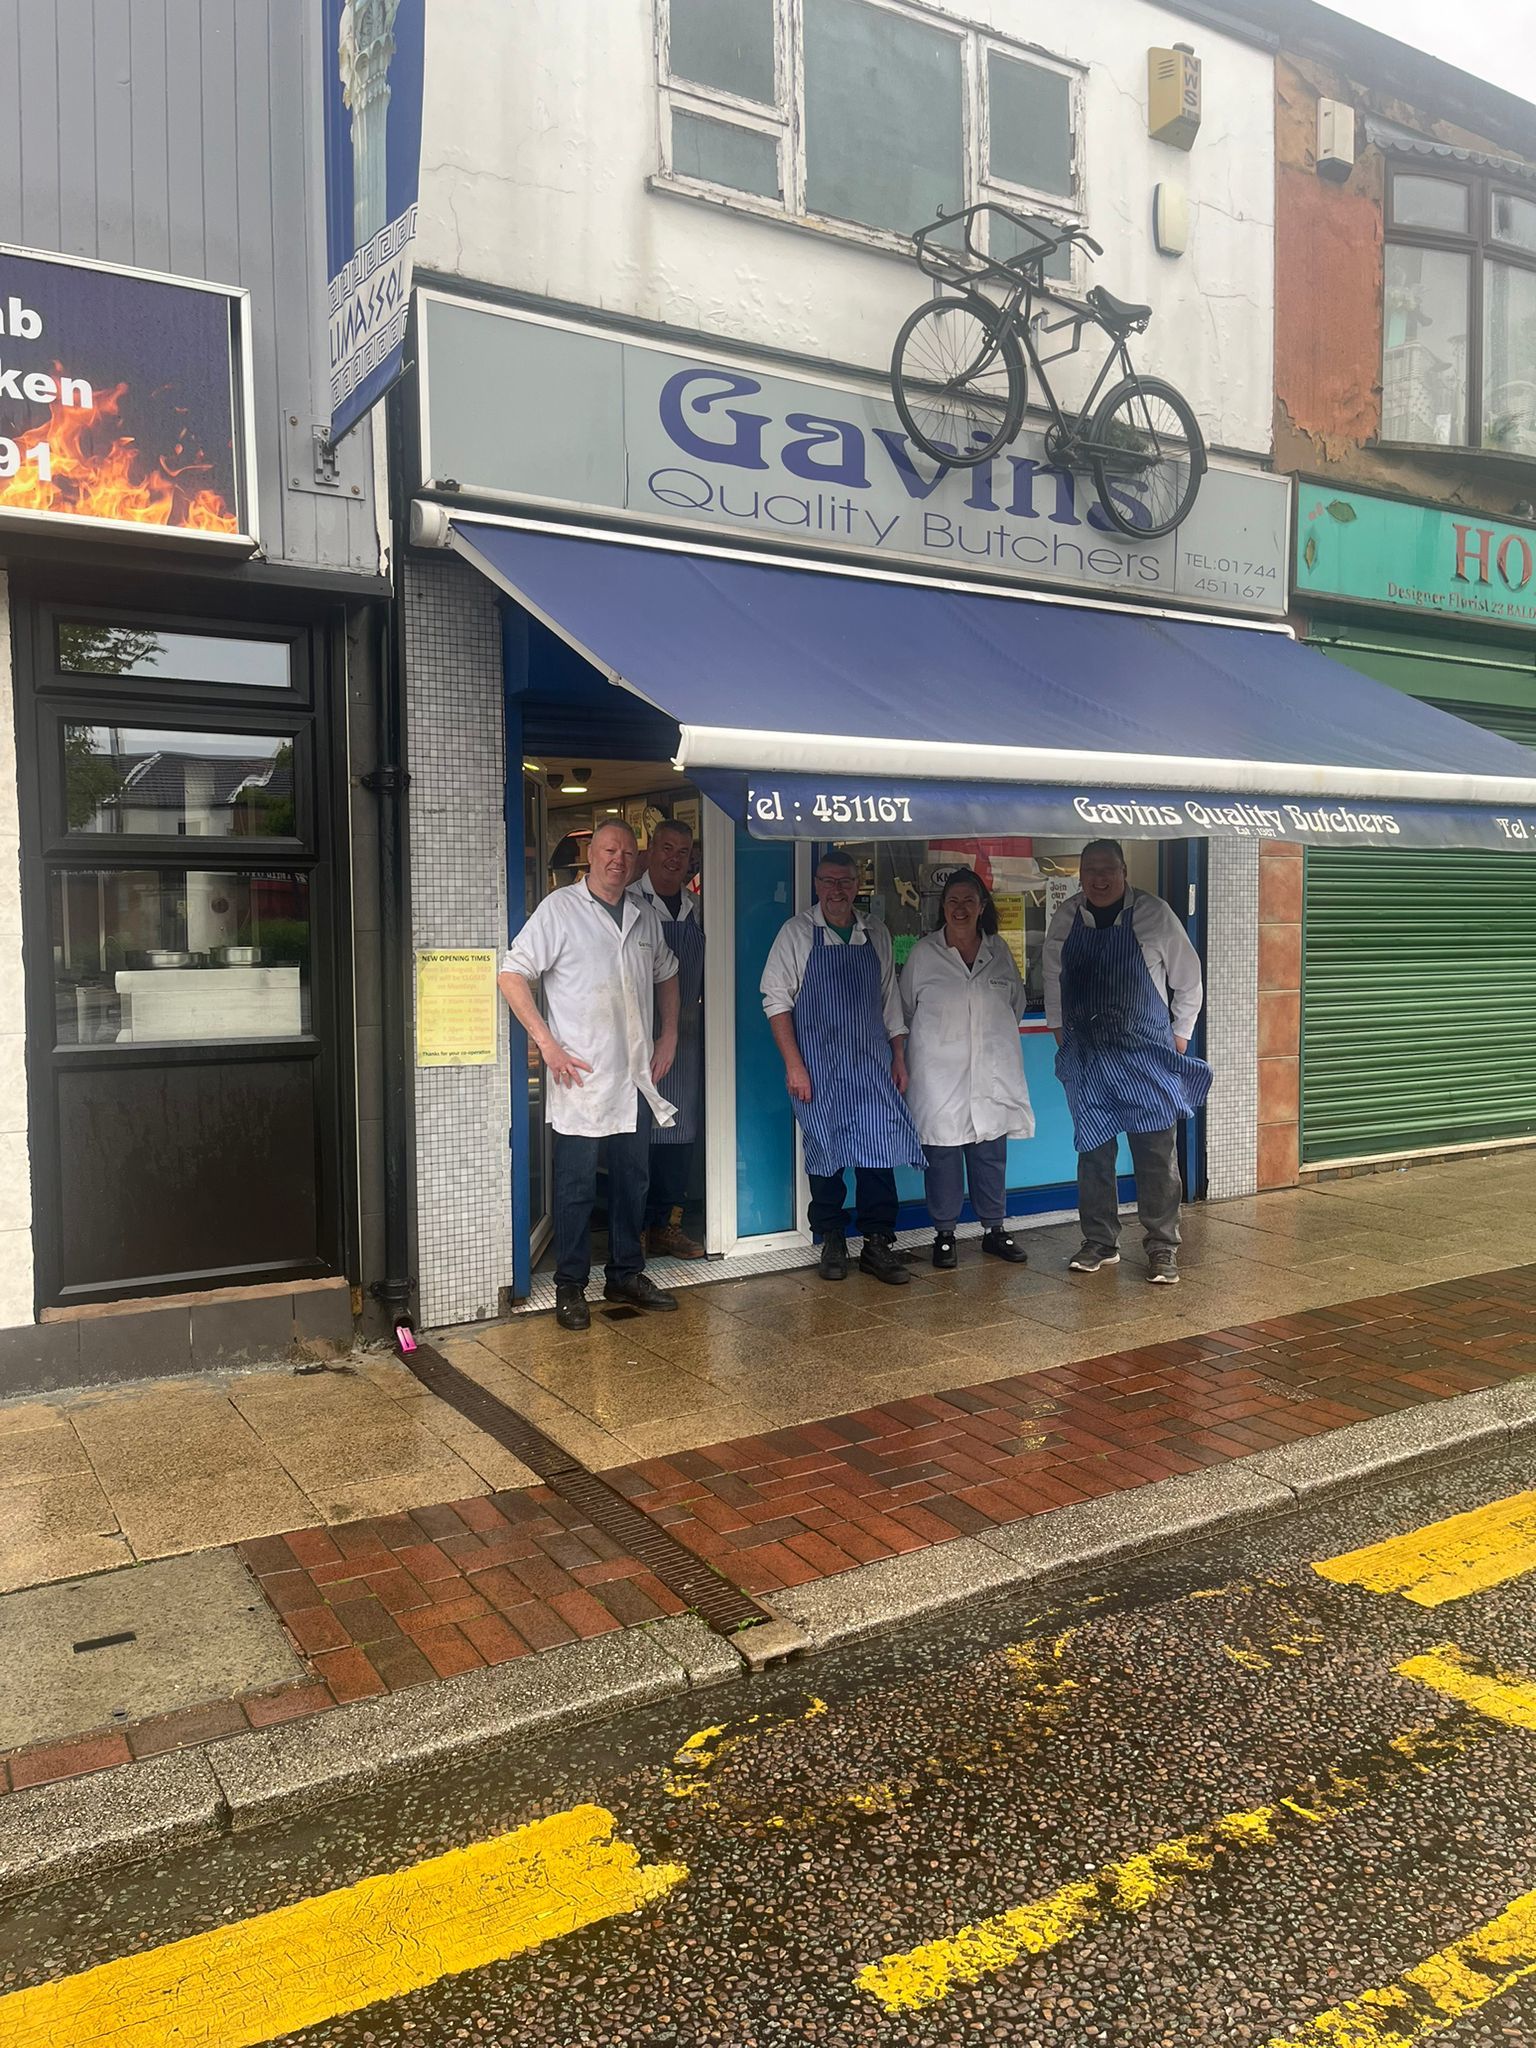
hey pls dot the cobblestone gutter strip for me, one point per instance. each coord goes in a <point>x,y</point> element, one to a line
<point>58,1831</point>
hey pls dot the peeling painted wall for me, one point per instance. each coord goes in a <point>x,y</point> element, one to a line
<point>1328,297</point>
<point>538,145</point>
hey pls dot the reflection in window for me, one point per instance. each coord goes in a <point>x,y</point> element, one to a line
<point>1514,221</point>
<point>1509,359</point>
<point>149,956</point>
<point>90,649</point>
<point>129,781</point>
<point>1424,346</point>
<point>1438,203</point>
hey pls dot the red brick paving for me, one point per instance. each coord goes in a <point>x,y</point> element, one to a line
<point>377,1606</point>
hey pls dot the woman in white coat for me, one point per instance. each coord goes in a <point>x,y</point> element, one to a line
<point>966,1091</point>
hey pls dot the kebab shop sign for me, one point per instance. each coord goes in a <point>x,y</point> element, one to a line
<point>120,400</point>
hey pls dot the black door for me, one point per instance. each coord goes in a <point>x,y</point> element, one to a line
<point>182,929</point>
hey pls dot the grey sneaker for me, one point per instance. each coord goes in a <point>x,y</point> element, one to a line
<point>1090,1258</point>
<point>1162,1269</point>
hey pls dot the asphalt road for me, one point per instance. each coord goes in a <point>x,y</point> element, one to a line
<point>1197,1803</point>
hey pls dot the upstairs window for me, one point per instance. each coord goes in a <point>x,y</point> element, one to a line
<point>866,113</point>
<point>1458,365</point>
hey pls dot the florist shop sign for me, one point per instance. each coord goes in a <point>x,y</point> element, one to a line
<point>123,402</point>
<point>1414,558</point>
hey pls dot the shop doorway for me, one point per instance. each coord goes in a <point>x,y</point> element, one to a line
<point>184,921</point>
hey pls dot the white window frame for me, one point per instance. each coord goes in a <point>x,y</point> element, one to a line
<point>785,122</point>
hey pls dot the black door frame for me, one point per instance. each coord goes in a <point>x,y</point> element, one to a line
<point>313,706</point>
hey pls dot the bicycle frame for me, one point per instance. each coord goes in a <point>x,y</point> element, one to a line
<point>1023,291</point>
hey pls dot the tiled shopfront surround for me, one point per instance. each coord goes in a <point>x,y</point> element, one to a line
<point>1282,872</point>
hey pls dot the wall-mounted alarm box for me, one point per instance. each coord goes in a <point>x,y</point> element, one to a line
<point>1335,140</point>
<point>1173,96</point>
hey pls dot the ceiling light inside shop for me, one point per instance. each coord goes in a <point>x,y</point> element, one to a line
<point>534,767</point>
<point>569,788</point>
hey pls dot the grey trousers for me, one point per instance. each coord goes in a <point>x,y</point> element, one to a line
<point>950,1166</point>
<point>1154,1156</point>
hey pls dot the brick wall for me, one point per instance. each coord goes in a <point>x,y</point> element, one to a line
<point>1281,872</point>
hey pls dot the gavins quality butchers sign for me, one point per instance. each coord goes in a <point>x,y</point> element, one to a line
<point>122,401</point>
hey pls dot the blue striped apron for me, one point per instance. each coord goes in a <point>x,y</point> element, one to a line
<point>856,1116</point>
<point>684,1085</point>
<point>1117,1060</point>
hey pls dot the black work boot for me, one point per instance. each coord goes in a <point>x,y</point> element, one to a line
<point>833,1262</point>
<point>640,1291</point>
<point>884,1262</point>
<point>571,1311</point>
<point>945,1257</point>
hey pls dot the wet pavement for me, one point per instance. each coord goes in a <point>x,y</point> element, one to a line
<point>1194,1803</point>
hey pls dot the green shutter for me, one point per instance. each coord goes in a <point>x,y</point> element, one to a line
<point>1418,1002</point>
<point>1509,721</point>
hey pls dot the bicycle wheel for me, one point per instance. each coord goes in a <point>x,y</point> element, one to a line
<point>1148,456</point>
<point>957,376</point>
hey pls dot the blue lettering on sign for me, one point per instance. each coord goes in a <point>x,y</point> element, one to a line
<point>745,449</point>
<point>799,456</point>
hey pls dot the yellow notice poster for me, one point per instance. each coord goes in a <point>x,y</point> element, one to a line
<point>456,1008</point>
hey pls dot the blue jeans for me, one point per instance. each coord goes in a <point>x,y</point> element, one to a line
<point>629,1172</point>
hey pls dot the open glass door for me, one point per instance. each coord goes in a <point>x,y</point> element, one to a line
<point>535,881</point>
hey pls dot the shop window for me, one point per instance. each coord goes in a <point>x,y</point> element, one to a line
<point>93,648</point>
<point>1459,318</point>
<point>862,112</point>
<point>130,782</point>
<point>153,956</point>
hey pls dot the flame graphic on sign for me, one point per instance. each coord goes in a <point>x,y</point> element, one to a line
<point>100,472</point>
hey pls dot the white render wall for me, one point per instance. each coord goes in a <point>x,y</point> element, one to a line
<point>541,129</point>
<point>15,1163</point>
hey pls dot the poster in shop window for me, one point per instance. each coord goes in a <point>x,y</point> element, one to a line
<point>456,1014</point>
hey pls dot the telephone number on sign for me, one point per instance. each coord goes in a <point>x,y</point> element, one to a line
<point>769,808</point>
<point>13,456</point>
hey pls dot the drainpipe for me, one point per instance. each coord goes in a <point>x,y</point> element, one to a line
<point>389,782</point>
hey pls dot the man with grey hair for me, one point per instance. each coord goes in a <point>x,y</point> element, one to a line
<point>1122,992</point>
<point>598,954</point>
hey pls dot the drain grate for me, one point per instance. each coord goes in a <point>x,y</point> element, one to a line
<point>715,1600</point>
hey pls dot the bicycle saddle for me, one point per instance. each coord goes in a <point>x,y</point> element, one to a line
<point>1117,313</point>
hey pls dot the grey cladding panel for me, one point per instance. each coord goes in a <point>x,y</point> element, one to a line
<point>183,136</point>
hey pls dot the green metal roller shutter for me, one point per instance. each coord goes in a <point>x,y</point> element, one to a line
<point>1418,1000</point>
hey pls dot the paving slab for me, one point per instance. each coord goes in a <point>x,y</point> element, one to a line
<point>54,1832</point>
<point>1130,1524</point>
<point>281,1771</point>
<point>706,1659</point>
<point>124,1645</point>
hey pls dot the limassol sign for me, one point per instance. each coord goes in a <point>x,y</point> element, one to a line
<point>522,410</point>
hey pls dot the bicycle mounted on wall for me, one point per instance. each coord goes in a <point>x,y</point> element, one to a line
<point>960,381</point>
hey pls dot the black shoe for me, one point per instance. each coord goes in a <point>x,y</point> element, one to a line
<point>887,1240</point>
<point>945,1257</point>
<point>833,1262</point>
<point>571,1311</point>
<point>1004,1246</point>
<point>883,1262</point>
<point>640,1292</point>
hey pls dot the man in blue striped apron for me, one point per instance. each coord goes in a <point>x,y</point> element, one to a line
<point>833,1006</point>
<point>664,884</point>
<point>1122,992</point>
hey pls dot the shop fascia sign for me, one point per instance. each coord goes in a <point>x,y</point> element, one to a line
<point>538,413</point>
<point>1430,560</point>
<point>124,402</point>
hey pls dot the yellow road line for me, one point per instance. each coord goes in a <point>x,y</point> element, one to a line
<point>922,1976</point>
<point>1446,1560</point>
<point>1434,1994</point>
<point>1500,1695</point>
<point>292,1968</point>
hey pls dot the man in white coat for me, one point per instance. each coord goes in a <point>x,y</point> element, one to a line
<point>599,955</point>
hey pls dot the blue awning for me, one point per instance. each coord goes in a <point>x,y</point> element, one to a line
<point>810,699</point>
